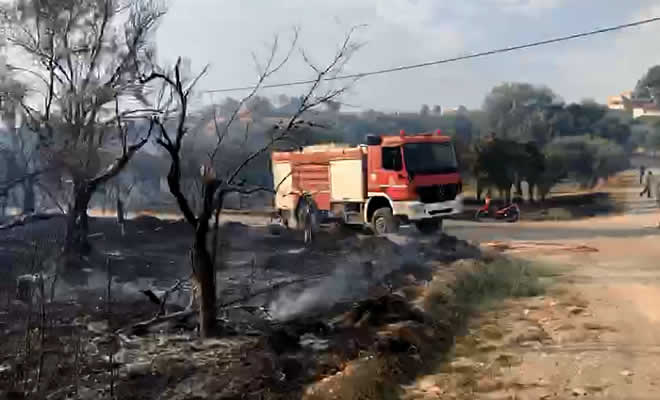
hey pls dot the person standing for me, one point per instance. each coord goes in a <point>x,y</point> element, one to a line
<point>642,169</point>
<point>647,185</point>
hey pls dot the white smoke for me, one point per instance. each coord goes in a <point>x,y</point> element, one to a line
<point>342,284</point>
<point>97,284</point>
<point>349,281</point>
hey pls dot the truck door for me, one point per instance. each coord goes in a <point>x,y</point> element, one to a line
<point>392,177</point>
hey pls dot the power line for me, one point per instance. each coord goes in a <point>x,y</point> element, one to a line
<point>447,60</point>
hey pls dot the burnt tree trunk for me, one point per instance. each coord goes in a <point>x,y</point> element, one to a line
<point>204,276</point>
<point>203,260</point>
<point>120,215</point>
<point>531,187</point>
<point>29,200</point>
<point>519,191</point>
<point>77,227</point>
<point>3,204</point>
<point>479,188</point>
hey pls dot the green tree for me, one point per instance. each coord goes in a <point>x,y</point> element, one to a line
<point>497,162</point>
<point>638,135</point>
<point>653,140</point>
<point>553,172</point>
<point>585,158</point>
<point>609,158</point>
<point>259,107</point>
<point>580,118</point>
<point>648,87</point>
<point>532,167</point>
<point>520,111</point>
<point>612,128</point>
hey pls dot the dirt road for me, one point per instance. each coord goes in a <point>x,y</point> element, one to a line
<point>595,334</point>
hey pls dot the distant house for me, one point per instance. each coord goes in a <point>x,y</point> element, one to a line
<point>640,108</point>
<point>646,111</point>
<point>616,103</point>
<point>460,110</point>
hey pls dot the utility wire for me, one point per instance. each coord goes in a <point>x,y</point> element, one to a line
<point>448,60</point>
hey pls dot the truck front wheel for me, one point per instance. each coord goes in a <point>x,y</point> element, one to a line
<point>383,221</point>
<point>429,226</point>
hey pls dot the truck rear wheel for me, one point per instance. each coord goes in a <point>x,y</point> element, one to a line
<point>429,226</point>
<point>383,221</point>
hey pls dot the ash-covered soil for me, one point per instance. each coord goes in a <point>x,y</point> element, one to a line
<point>291,316</point>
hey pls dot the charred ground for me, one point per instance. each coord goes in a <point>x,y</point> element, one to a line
<point>294,319</point>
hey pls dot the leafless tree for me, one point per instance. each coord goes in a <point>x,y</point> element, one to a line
<point>216,182</point>
<point>83,61</point>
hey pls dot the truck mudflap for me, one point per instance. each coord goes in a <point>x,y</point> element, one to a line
<point>416,210</point>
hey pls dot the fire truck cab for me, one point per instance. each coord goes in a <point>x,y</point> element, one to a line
<point>385,182</point>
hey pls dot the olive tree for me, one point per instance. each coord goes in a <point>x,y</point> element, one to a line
<point>586,159</point>
<point>520,111</point>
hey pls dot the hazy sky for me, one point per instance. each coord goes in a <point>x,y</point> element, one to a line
<point>224,33</point>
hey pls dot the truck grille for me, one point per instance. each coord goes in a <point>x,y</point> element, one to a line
<point>437,193</point>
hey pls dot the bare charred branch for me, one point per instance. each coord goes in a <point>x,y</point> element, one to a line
<point>309,101</point>
<point>28,219</point>
<point>174,182</point>
<point>192,84</point>
<point>167,294</point>
<point>161,301</point>
<point>118,165</point>
<point>35,74</point>
<point>253,189</point>
<point>49,193</point>
<point>264,74</point>
<point>97,45</point>
<point>143,327</point>
<point>172,144</point>
<point>151,296</point>
<point>269,289</point>
<point>9,185</point>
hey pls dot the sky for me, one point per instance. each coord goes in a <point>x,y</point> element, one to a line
<point>226,33</point>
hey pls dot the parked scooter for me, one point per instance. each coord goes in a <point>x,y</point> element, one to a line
<point>509,213</point>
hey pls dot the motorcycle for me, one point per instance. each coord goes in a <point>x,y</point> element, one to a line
<point>509,213</point>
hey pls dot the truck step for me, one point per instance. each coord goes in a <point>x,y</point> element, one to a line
<point>353,218</point>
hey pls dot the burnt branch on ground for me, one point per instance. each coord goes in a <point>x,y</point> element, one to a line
<point>161,301</point>
<point>28,219</point>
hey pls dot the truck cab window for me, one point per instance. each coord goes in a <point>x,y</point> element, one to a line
<point>392,158</point>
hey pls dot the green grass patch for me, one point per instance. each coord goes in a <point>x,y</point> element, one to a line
<point>500,278</point>
<point>474,285</point>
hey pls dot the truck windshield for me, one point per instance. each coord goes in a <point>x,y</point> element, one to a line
<point>430,158</point>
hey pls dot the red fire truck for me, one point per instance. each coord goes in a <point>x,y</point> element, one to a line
<point>387,181</point>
